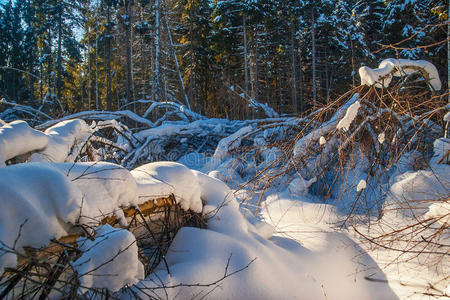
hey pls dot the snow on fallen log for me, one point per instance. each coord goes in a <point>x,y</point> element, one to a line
<point>106,188</point>
<point>162,179</point>
<point>226,145</point>
<point>180,110</point>
<point>100,115</point>
<point>17,138</point>
<point>42,201</point>
<point>66,141</point>
<point>382,76</point>
<point>110,261</point>
<point>36,200</point>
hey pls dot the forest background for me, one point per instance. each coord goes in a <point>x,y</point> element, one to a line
<point>213,56</point>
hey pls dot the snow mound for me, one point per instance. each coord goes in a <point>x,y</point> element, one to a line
<point>414,192</point>
<point>36,200</point>
<point>67,139</point>
<point>110,261</point>
<point>382,76</point>
<point>161,179</point>
<point>238,255</point>
<point>18,138</point>
<point>105,187</point>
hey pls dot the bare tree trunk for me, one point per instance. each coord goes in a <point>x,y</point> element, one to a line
<point>97,100</point>
<point>313,37</point>
<point>448,68</point>
<point>59,58</point>
<point>157,75</point>
<point>353,62</point>
<point>294,69</point>
<point>245,55</point>
<point>108,59</point>
<point>300,67</point>
<point>129,87</point>
<point>255,79</point>
<point>172,48</point>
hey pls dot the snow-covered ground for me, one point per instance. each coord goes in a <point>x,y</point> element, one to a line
<point>365,237</point>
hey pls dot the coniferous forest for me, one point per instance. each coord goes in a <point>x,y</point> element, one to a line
<point>212,56</point>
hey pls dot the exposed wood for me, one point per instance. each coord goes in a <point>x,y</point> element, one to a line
<point>147,208</point>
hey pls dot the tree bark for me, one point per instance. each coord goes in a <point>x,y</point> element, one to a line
<point>59,53</point>
<point>129,87</point>
<point>313,38</point>
<point>108,58</point>
<point>157,74</point>
<point>245,55</point>
<point>294,69</point>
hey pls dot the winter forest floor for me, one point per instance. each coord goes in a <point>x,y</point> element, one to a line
<point>350,201</point>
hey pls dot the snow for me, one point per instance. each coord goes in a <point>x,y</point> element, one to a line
<point>382,76</point>
<point>18,138</point>
<point>66,140</point>
<point>333,259</point>
<point>299,186</point>
<point>441,149</point>
<point>350,115</point>
<point>162,179</point>
<point>291,247</point>
<point>322,141</point>
<point>414,191</point>
<point>225,146</point>
<point>447,117</point>
<point>381,138</point>
<point>110,261</point>
<point>266,266</point>
<point>37,202</point>
<point>231,142</point>
<point>361,185</point>
<point>105,187</point>
<point>193,160</point>
<point>302,145</point>
<point>439,211</point>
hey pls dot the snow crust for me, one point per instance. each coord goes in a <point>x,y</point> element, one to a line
<point>322,141</point>
<point>382,76</point>
<point>110,261</point>
<point>381,138</point>
<point>18,138</point>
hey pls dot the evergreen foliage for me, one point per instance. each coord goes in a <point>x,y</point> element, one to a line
<point>214,56</point>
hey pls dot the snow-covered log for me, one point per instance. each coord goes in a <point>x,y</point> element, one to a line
<point>66,141</point>
<point>17,138</point>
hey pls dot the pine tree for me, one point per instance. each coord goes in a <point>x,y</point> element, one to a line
<point>369,15</point>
